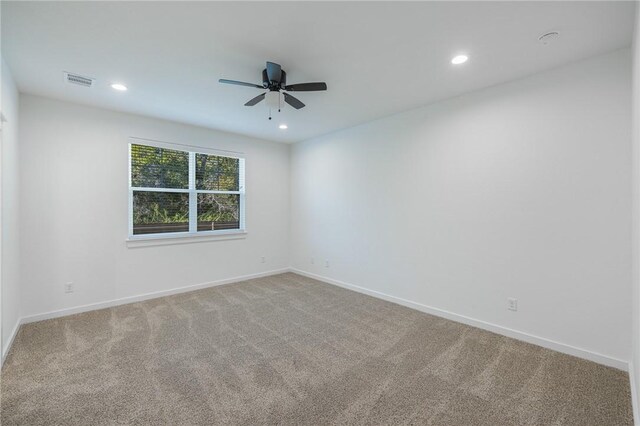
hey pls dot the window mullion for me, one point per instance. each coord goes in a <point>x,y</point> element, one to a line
<point>206,191</point>
<point>193,197</point>
<point>142,189</point>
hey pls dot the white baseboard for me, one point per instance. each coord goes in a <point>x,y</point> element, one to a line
<point>146,296</point>
<point>634,394</point>
<point>14,333</point>
<point>519,335</point>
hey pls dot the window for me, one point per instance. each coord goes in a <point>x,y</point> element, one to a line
<point>173,192</point>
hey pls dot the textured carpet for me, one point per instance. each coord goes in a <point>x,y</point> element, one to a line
<point>290,350</point>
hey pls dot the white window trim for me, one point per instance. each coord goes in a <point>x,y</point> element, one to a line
<point>145,240</point>
<point>171,238</point>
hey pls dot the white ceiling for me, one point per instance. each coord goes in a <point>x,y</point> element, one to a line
<point>377,58</point>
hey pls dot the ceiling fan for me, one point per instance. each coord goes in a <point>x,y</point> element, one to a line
<point>274,80</point>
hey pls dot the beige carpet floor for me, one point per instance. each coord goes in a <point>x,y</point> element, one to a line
<point>290,350</point>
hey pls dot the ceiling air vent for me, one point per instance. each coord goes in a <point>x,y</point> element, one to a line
<point>78,79</point>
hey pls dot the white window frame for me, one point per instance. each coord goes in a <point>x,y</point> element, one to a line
<point>193,235</point>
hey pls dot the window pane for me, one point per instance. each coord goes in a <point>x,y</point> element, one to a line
<point>153,167</point>
<point>159,212</point>
<point>215,173</point>
<point>218,211</point>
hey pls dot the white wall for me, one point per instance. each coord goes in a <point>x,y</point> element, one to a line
<point>519,190</point>
<point>635,359</point>
<point>73,170</point>
<point>9,233</point>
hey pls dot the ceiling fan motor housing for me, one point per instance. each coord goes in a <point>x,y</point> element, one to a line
<point>272,84</point>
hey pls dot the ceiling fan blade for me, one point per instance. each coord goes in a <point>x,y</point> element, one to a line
<point>306,87</point>
<point>274,72</point>
<point>294,102</point>
<point>239,83</point>
<point>255,100</point>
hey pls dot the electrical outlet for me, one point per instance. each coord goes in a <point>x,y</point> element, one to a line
<point>263,259</point>
<point>68,287</point>
<point>512,304</point>
<point>326,263</point>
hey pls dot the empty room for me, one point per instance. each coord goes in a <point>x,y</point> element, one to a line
<point>320,213</point>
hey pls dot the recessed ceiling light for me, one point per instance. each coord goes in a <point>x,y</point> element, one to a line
<point>283,126</point>
<point>118,86</point>
<point>460,59</point>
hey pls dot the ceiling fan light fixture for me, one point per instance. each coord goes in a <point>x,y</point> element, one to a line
<point>273,99</point>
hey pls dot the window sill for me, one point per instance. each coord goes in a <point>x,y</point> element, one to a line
<point>184,238</point>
